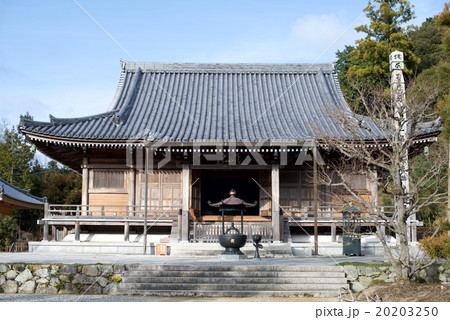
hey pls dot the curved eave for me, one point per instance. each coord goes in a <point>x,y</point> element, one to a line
<point>20,204</point>
<point>73,142</point>
<point>63,141</point>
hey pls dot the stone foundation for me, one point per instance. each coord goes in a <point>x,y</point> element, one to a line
<point>60,279</point>
<point>361,277</point>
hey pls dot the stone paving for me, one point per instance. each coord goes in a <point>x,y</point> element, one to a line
<point>25,257</point>
<point>106,298</point>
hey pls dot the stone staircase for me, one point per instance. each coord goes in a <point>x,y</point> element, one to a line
<point>232,281</point>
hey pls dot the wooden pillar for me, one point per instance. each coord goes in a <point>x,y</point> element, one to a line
<point>333,232</point>
<point>85,184</point>
<point>276,203</point>
<point>77,231</point>
<point>46,209</point>
<point>54,231</point>
<point>374,188</point>
<point>185,186</point>
<point>145,199</point>
<point>45,239</point>
<point>315,196</point>
<point>126,232</point>
<point>180,215</point>
<point>132,185</point>
<point>282,226</point>
<point>413,231</point>
<point>65,232</point>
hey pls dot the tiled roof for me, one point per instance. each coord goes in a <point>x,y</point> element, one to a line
<point>210,102</point>
<point>13,192</point>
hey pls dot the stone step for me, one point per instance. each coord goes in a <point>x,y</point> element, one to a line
<point>214,249</point>
<point>232,280</point>
<point>221,268</point>
<point>228,280</point>
<point>234,274</point>
<point>185,293</point>
<point>231,287</point>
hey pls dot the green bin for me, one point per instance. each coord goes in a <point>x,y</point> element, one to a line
<point>351,232</point>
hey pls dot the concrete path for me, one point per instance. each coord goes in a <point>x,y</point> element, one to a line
<point>66,258</point>
<point>107,298</point>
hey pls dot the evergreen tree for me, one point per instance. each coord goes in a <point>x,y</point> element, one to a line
<point>384,34</point>
<point>427,41</point>
<point>368,63</point>
<point>341,66</point>
<point>16,158</point>
<point>443,19</point>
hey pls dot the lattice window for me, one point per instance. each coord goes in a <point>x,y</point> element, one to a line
<point>108,179</point>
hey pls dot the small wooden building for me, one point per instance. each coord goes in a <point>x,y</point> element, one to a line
<point>199,130</point>
<point>12,198</point>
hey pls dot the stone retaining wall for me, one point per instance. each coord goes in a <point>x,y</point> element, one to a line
<point>105,279</point>
<point>361,277</point>
<point>57,278</point>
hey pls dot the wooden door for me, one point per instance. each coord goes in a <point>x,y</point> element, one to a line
<point>164,190</point>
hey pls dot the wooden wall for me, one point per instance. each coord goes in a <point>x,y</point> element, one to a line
<point>296,190</point>
<point>109,188</point>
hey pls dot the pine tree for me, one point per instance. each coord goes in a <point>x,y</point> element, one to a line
<point>384,34</point>
<point>368,63</point>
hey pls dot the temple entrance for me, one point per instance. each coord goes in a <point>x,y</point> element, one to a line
<point>216,185</point>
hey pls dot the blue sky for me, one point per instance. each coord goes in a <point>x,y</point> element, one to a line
<point>54,59</point>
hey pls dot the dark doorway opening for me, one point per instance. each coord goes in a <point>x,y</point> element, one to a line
<point>216,185</point>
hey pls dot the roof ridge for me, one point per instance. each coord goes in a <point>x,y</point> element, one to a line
<point>55,120</point>
<point>228,67</point>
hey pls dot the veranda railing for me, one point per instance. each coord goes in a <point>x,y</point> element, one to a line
<point>205,232</point>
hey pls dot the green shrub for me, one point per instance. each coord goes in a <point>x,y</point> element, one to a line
<point>8,231</point>
<point>437,247</point>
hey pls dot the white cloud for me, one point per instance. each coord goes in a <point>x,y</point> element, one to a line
<point>316,30</point>
<point>308,40</point>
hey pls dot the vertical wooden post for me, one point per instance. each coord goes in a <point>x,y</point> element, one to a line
<point>145,198</point>
<point>333,232</point>
<point>413,227</point>
<point>132,183</point>
<point>54,231</point>
<point>85,183</point>
<point>281,225</point>
<point>276,202</point>
<point>126,232</point>
<point>180,214</point>
<point>65,232</point>
<point>315,195</point>
<point>374,188</point>
<point>46,209</point>
<point>77,231</point>
<point>45,239</point>
<point>185,186</point>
